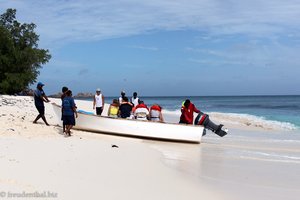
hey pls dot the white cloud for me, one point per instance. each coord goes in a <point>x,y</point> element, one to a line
<point>145,48</point>
<point>216,62</point>
<point>87,20</point>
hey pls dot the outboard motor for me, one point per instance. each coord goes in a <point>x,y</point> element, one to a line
<point>203,119</point>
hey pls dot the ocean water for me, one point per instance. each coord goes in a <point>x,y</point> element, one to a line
<point>280,111</point>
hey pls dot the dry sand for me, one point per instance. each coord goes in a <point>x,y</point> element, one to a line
<point>37,159</point>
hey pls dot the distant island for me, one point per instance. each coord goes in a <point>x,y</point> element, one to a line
<point>79,95</point>
<point>30,92</point>
<point>84,95</point>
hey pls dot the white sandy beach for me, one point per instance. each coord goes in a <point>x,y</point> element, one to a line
<point>250,163</point>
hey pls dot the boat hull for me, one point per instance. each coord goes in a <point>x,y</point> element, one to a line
<point>135,128</point>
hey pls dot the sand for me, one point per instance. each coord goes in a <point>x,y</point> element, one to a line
<point>37,159</point>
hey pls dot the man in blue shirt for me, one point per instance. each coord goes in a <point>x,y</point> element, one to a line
<point>39,99</point>
<point>68,110</point>
<point>63,90</point>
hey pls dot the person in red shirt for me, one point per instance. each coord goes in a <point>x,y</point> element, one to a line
<point>155,113</point>
<point>141,111</point>
<point>187,112</point>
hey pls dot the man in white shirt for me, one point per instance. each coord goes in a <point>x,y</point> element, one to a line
<point>98,102</point>
<point>135,99</point>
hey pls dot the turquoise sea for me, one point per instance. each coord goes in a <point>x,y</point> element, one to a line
<point>280,110</point>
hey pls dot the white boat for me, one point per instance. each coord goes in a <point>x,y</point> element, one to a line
<point>135,128</point>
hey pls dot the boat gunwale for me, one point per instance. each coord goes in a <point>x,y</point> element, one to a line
<point>133,120</point>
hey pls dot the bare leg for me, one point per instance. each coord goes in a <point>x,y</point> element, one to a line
<point>68,130</point>
<point>71,126</point>
<point>44,119</point>
<point>37,118</point>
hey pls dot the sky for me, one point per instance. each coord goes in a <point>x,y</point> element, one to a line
<point>167,47</point>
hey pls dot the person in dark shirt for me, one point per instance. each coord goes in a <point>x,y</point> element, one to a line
<point>63,90</point>
<point>39,99</point>
<point>68,110</point>
<point>125,108</point>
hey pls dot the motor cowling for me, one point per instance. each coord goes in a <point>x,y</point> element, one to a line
<point>203,120</point>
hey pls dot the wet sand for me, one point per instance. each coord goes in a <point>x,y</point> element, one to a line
<point>243,165</point>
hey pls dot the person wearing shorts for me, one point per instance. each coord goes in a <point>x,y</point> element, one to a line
<point>98,102</point>
<point>39,99</point>
<point>69,110</point>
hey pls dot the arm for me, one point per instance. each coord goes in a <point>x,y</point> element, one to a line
<point>75,111</point>
<point>45,98</point>
<point>108,111</point>
<point>74,107</point>
<point>161,117</point>
<point>148,114</point>
<point>134,113</point>
<point>102,101</point>
<point>119,113</point>
<point>196,110</point>
<point>41,94</point>
<point>94,103</point>
<point>131,112</point>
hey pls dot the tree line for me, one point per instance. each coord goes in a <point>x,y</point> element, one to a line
<point>20,57</point>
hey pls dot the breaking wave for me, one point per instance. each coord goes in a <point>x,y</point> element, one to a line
<point>240,119</point>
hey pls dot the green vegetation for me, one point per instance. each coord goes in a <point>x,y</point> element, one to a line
<point>20,58</point>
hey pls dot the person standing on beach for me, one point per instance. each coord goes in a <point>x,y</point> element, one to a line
<point>63,90</point>
<point>135,99</point>
<point>39,99</point>
<point>98,102</point>
<point>121,98</point>
<point>69,109</point>
<point>187,112</point>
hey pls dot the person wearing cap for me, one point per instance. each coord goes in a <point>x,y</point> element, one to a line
<point>39,99</point>
<point>98,102</point>
<point>121,98</point>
